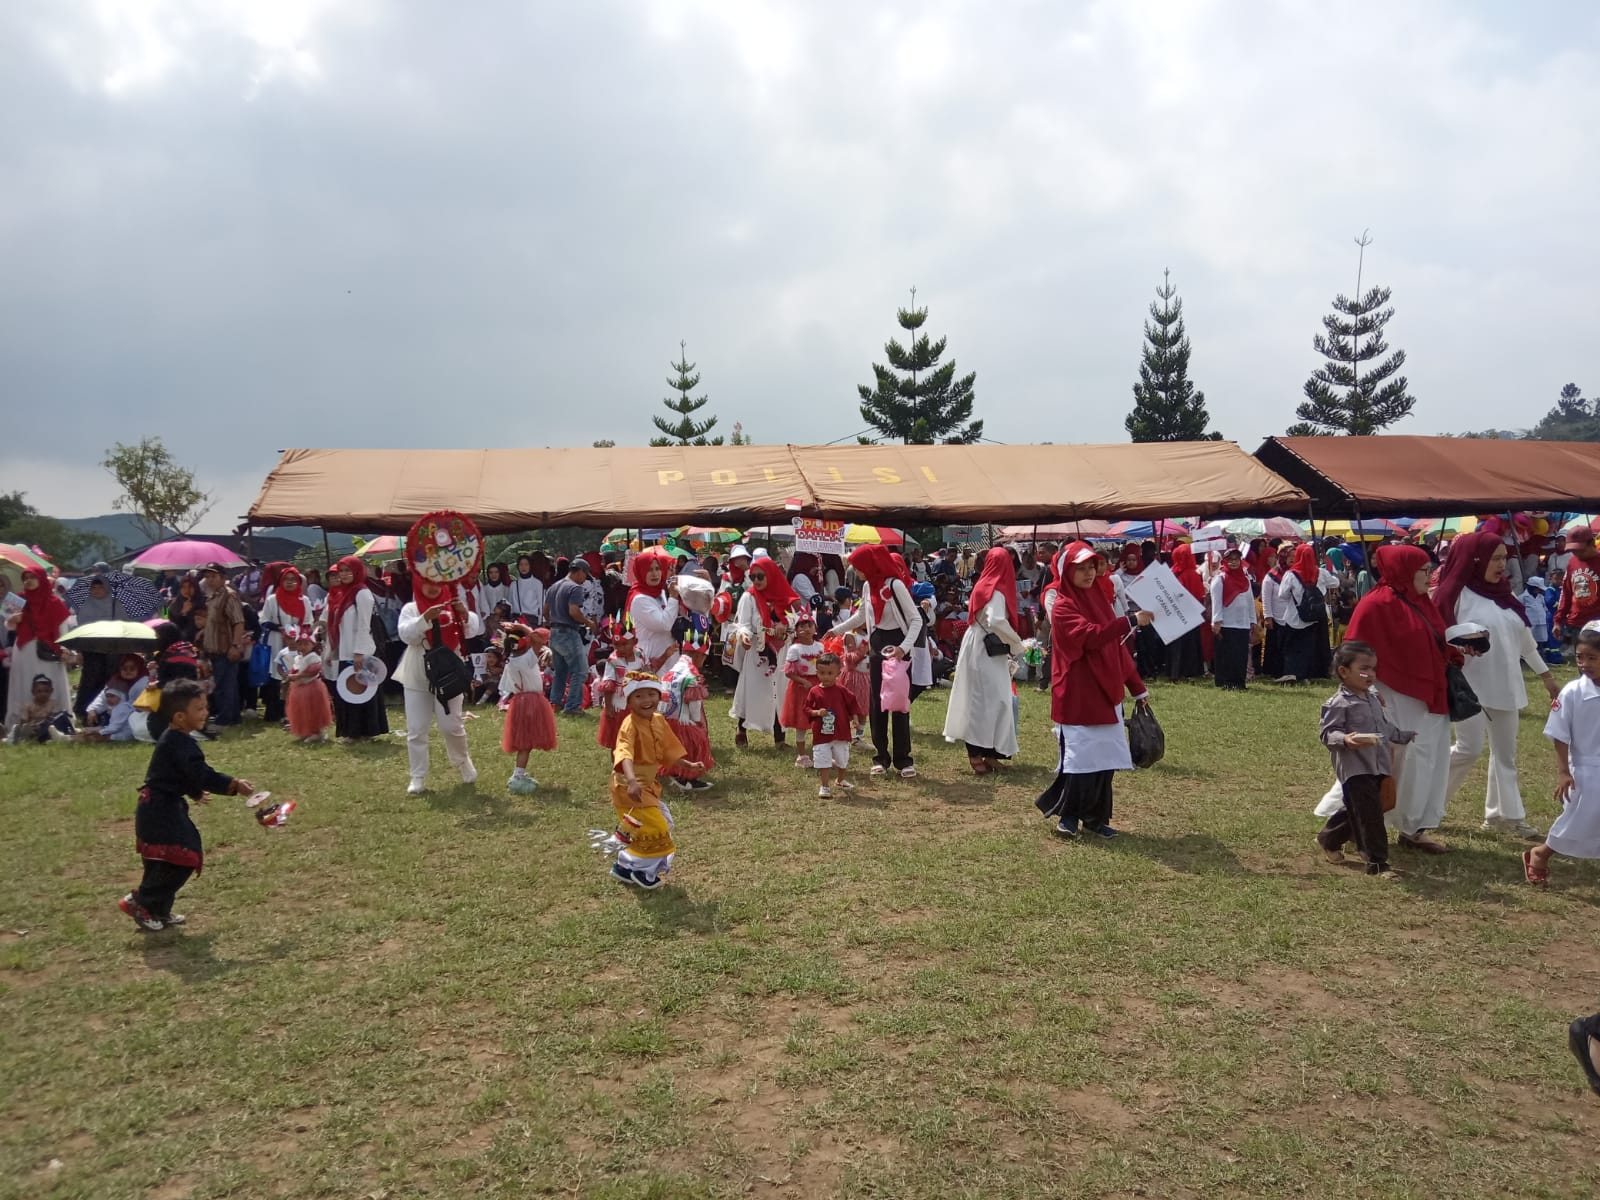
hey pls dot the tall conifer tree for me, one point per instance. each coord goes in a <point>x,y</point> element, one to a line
<point>685,431</point>
<point>925,402</point>
<point>1166,406</point>
<point>1346,395</point>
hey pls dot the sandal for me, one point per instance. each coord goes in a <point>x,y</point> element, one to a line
<point>1535,873</point>
<point>979,766</point>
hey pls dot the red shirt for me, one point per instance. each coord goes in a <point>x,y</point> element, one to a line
<point>1580,593</point>
<point>833,725</point>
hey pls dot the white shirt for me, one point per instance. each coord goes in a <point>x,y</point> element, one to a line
<point>896,608</point>
<point>1241,614</point>
<point>355,635</point>
<point>1497,675</point>
<point>527,597</point>
<point>1575,720</point>
<point>522,674</point>
<point>653,620</point>
<point>412,672</point>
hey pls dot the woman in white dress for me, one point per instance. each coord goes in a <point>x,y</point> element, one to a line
<point>39,623</point>
<point>653,607</point>
<point>980,710</point>
<point>347,642</point>
<point>761,640</point>
<point>1474,587</point>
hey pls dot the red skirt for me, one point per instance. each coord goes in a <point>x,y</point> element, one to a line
<point>793,715</point>
<point>860,685</point>
<point>697,748</point>
<point>308,708</point>
<point>530,724</point>
<point>610,725</point>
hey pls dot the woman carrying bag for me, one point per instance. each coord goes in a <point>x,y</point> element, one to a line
<point>980,710</point>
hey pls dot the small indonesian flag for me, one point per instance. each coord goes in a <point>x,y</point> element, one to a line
<point>793,505</point>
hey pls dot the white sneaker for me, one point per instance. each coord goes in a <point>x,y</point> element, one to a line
<point>824,793</point>
<point>416,787</point>
<point>469,774</point>
<point>877,769</point>
<point>909,773</point>
<point>1508,825</point>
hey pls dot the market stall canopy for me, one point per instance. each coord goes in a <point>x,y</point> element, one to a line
<point>386,490</point>
<point>1397,475</point>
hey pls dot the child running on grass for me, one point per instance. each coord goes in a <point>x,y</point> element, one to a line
<point>645,747</point>
<point>530,721</point>
<point>832,707</point>
<point>164,835</point>
<point>1358,733</point>
<point>1574,730</point>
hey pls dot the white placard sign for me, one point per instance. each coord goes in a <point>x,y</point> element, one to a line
<point>814,536</point>
<point>1157,590</point>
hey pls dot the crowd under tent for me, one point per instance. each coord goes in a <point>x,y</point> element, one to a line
<point>516,489</point>
<point>1397,475</point>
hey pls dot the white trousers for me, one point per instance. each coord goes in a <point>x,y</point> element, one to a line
<point>658,864</point>
<point>422,710</point>
<point>1497,726</point>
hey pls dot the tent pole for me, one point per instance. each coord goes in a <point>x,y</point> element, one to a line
<point>326,553</point>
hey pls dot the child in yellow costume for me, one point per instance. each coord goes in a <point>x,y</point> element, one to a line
<point>646,746</point>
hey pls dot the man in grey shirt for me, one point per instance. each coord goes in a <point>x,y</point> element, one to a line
<point>570,628</point>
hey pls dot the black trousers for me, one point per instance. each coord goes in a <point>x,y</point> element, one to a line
<point>1084,798</point>
<point>882,723</point>
<point>160,885</point>
<point>986,752</point>
<point>1231,658</point>
<point>95,674</point>
<point>1360,822</point>
<point>272,700</point>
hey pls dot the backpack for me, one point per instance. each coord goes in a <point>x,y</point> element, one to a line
<point>1313,605</point>
<point>448,673</point>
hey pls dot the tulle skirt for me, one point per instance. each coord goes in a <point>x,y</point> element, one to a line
<point>610,725</point>
<point>793,715</point>
<point>697,748</point>
<point>308,708</point>
<point>860,685</point>
<point>530,724</point>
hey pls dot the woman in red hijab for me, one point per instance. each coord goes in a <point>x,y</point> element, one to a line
<point>1398,620</point>
<point>893,624</point>
<point>1302,621</point>
<point>1090,669</point>
<point>284,608</point>
<point>44,617</point>
<point>1474,587</point>
<point>349,643</point>
<point>1186,655</point>
<point>1233,621</point>
<point>980,712</point>
<point>761,637</point>
<point>653,606</point>
<point>1148,650</point>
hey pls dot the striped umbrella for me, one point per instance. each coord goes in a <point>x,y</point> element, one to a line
<point>709,535</point>
<point>1264,527</point>
<point>15,559</point>
<point>1446,526</point>
<point>388,543</point>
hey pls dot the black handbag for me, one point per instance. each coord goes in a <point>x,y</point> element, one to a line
<point>1460,699</point>
<point>448,674</point>
<point>1147,741</point>
<point>47,652</point>
<point>994,645</point>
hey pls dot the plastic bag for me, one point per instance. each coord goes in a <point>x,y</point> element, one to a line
<point>895,694</point>
<point>1147,743</point>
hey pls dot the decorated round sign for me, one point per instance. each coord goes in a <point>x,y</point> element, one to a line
<point>445,547</point>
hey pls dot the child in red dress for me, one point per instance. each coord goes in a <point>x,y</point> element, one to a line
<point>530,721</point>
<point>308,708</point>
<point>800,665</point>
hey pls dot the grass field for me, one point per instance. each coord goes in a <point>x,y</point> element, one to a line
<point>915,992</point>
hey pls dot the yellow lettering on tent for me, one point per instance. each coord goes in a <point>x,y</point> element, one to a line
<point>927,473</point>
<point>887,475</point>
<point>724,478</point>
<point>834,471</point>
<point>669,477</point>
<point>772,476</point>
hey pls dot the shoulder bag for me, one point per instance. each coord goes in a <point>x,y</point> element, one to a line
<point>1461,700</point>
<point>448,673</point>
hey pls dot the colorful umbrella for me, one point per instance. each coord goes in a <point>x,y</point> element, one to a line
<point>184,554</point>
<point>111,637</point>
<point>388,543</point>
<point>137,597</point>
<point>15,559</point>
<point>1446,526</point>
<point>1138,531</point>
<point>1374,530</point>
<point>770,533</point>
<point>1057,532</point>
<point>709,535</point>
<point>873,535</point>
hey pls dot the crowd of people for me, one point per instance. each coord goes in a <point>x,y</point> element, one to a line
<point>1428,642</point>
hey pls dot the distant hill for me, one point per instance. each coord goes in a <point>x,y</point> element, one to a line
<point>126,535</point>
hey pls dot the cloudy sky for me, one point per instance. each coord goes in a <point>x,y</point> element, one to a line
<point>245,225</point>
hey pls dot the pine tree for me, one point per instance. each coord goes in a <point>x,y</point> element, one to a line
<point>685,431</point>
<point>1166,406</point>
<point>926,403</point>
<point>1340,396</point>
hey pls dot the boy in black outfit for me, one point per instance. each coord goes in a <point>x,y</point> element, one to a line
<point>166,838</point>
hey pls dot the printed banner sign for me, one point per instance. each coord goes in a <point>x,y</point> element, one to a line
<point>812,536</point>
<point>1157,590</point>
<point>966,535</point>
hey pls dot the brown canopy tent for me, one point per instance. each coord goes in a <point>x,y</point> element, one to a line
<point>386,490</point>
<point>1396,475</point>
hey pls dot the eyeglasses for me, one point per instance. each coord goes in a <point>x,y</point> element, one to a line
<point>756,577</point>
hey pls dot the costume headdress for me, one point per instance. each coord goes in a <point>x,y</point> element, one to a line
<point>640,681</point>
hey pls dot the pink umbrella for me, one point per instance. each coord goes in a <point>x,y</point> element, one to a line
<point>387,544</point>
<point>185,554</point>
